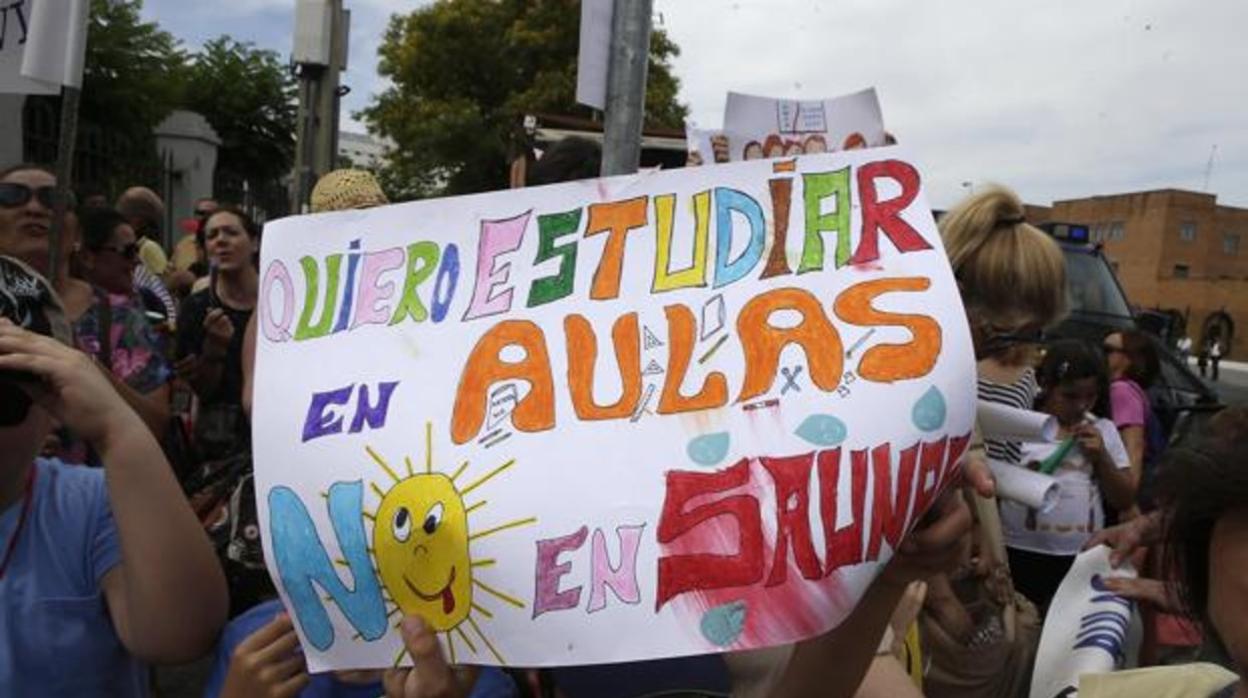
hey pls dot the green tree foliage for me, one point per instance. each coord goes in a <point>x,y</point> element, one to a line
<point>130,81</point>
<point>132,75</point>
<point>249,97</point>
<point>464,72</point>
<point>136,73</point>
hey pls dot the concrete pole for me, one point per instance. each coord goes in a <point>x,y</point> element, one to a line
<point>328,99</point>
<point>305,138</point>
<point>626,86</point>
<point>316,138</point>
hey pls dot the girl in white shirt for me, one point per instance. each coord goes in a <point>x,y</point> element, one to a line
<point>1074,387</point>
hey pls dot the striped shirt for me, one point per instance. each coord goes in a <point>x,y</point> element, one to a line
<point>1020,394</point>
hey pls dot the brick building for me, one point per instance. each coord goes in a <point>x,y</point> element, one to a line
<point>1173,250</point>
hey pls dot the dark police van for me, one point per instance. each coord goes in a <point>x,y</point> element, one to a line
<point>1099,306</point>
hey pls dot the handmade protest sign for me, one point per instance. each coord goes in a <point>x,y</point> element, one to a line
<point>1089,634</point>
<point>763,127</point>
<point>681,412</point>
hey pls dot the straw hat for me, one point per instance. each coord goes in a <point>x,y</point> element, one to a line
<point>341,190</point>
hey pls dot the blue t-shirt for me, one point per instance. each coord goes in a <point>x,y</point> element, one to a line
<point>58,637</point>
<point>491,682</point>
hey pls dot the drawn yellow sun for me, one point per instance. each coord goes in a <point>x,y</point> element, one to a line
<point>421,542</point>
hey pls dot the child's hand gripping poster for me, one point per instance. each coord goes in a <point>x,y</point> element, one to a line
<point>675,413</point>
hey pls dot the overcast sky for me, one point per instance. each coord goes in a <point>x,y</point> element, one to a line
<point>1059,99</point>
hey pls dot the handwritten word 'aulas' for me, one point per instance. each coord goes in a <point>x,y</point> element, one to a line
<point>762,344</point>
<point>368,295</point>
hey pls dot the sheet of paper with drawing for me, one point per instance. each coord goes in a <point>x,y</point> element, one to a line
<point>763,127</point>
<point>645,416</point>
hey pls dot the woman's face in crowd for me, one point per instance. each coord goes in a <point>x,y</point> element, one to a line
<point>1118,360</point>
<point>1070,400</point>
<point>24,228</point>
<point>113,265</point>
<point>1228,585</point>
<point>227,243</point>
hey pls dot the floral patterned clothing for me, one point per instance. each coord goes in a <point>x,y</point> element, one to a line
<point>137,354</point>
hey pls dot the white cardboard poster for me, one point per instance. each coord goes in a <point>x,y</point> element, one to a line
<point>646,416</point>
<point>764,127</point>
<point>594,53</point>
<point>42,45</point>
<point>1087,631</point>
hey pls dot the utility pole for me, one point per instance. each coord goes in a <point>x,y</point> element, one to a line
<point>626,86</point>
<point>319,57</point>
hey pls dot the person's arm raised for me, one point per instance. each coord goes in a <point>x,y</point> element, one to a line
<point>167,597</point>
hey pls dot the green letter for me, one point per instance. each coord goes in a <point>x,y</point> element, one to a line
<point>817,187</point>
<point>422,257</point>
<point>306,330</point>
<point>551,227</point>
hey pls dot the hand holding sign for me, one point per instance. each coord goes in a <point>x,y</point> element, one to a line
<point>431,676</point>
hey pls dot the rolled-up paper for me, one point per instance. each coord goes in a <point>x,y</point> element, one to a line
<point>997,421</point>
<point>1027,487</point>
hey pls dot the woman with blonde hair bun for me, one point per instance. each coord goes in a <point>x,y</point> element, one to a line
<point>1012,278</point>
<point>1012,275</point>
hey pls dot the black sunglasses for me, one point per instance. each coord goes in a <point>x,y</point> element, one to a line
<point>998,343</point>
<point>14,194</point>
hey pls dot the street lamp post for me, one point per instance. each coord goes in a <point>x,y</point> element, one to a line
<point>318,58</point>
<point>626,86</point>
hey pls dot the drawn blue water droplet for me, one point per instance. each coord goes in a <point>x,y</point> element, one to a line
<point>822,430</point>
<point>722,625</point>
<point>929,412</point>
<point>708,449</point>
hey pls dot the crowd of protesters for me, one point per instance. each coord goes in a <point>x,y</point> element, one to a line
<point>127,512</point>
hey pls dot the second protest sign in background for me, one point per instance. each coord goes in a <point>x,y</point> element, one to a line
<point>646,416</point>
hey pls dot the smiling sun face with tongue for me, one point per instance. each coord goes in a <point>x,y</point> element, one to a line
<point>422,537</point>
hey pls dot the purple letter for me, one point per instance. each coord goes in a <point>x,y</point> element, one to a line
<point>373,415</point>
<point>621,579</point>
<point>320,422</point>
<point>549,570</point>
<point>497,238</point>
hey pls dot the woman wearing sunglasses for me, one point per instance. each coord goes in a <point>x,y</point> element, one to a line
<point>114,328</point>
<point>1133,366</point>
<point>27,196</point>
